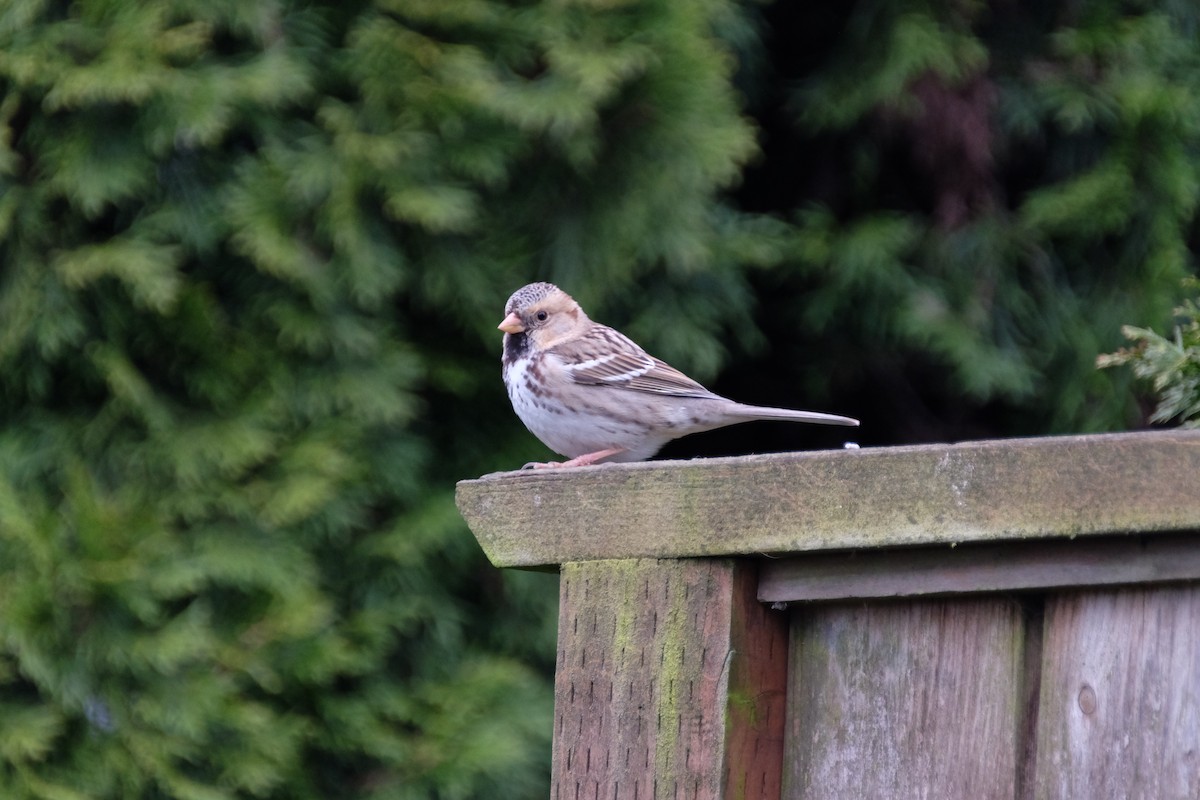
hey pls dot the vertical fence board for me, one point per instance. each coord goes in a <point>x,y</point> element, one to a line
<point>1120,705</point>
<point>649,691</point>
<point>904,700</point>
<point>757,693</point>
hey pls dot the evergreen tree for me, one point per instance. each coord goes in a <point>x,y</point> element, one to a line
<point>253,256</point>
<point>982,195</point>
<point>252,253</point>
<point>1172,365</point>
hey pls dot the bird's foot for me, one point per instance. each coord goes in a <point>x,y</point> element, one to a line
<point>585,460</point>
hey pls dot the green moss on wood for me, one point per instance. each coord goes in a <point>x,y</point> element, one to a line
<point>872,498</point>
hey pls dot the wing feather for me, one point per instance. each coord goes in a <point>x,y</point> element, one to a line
<point>605,357</point>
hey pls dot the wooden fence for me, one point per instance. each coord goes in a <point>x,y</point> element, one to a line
<point>1007,619</point>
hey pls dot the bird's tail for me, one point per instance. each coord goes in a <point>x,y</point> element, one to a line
<point>814,417</point>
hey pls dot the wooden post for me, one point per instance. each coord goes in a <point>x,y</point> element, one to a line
<point>1016,619</point>
<point>670,682</point>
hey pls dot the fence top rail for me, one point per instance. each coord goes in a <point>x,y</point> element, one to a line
<point>1013,489</point>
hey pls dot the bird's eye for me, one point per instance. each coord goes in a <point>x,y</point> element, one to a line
<point>541,316</point>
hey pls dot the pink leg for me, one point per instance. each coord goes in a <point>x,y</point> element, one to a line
<point>587,459</point>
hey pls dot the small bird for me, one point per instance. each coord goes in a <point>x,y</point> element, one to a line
<point>592,394</point>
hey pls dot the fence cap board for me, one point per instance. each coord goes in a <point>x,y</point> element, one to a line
<point>999,490</point>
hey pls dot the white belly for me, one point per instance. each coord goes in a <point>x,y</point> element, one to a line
<point>572,427</point>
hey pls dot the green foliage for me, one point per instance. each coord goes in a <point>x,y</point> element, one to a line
<point>253,255</point>
<point>990,192</point>
<point>1171,365</point>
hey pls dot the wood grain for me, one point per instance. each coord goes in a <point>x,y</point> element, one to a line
<point>665,668</point>
<point>971,568</point>
<point>1120,699</point>
<point>757,700</point>
<point>804,502</point>
<point>917,699</point>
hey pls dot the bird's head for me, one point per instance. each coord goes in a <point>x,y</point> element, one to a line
<point>543,313</point>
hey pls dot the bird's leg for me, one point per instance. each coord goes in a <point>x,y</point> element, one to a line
<point>587,459</point>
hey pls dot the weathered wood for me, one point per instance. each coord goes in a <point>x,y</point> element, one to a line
<point>972,568</point>
<point>671,675</point>
<point>802,502</point>
<point>757,700</point>
<point>905,700</point>
<point>1120,696</point>
<point>670,683</point>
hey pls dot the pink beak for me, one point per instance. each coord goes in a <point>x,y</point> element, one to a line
<point>512,324</point>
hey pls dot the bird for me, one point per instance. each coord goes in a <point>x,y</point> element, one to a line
<point>589,393</point>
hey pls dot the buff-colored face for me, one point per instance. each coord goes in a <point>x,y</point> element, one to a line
<point>544,312</point>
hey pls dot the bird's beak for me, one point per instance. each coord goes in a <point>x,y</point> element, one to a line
<point>512,324</point>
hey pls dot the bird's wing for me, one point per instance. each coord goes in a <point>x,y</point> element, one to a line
<point>605,357</point>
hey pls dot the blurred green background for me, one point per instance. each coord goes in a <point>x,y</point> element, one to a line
<point>252,257</point>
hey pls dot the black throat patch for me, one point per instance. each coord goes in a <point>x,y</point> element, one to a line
<point>516,346</point>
